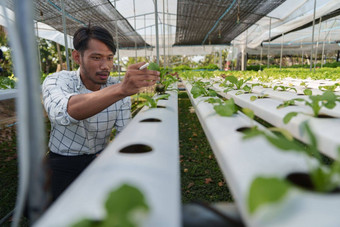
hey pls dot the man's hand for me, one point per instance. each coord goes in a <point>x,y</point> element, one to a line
<point>135,79</point>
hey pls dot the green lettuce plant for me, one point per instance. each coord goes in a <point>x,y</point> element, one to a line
<point>232,83</point>
<point>223,108</point>
<point>254,97</point>
<point>329,87</point>
<point>201,89</point>
<point>152,101</point>
<point>328,100</point>
<point>264,190</point>
<point>121,206</point>
<point>283,88</point>
<point>165,79</point>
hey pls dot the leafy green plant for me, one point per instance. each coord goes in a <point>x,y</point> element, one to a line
<point>236,84</point>
<point>284,88</point>
<point>329,87</point>
<point>121,206</point>
<point>7,82</point>
<point>165,79</point>
<point>168,80</point>
<point>303,83</point>
<point>254,97</point>
<point>265,190</point>
<point>223,108</point>
<point>200,88</point>
<point>152,101</point>
<point>328,100</point>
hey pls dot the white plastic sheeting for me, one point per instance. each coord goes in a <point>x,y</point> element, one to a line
<point>290,15</point>
<point>41,30</point>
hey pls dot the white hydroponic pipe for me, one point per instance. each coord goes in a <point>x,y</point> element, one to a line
<point>154,173</point>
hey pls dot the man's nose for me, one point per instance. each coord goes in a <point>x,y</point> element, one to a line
<point>106,65</point>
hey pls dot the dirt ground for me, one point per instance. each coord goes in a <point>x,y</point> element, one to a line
<point>7,113</point>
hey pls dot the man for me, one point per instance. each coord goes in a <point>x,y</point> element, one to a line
<point>85,105</point>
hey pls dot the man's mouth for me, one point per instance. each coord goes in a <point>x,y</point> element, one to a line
<point>103,75</point>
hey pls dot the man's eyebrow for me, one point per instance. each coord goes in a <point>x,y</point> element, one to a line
<point>100,54</point>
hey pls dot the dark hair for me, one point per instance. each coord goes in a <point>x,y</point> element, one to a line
<point>83,35</point>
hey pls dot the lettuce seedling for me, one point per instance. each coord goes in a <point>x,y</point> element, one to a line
<point>165,79</point>
<point>200,89</point>
<point>152,101</point>
<point>235,84</point>
<point>328,100</point>
<point>121,206</point>
<point>223,108</point>
<point>329,87</point>
<point>284,88</point>
<point>254,97</point>
<point>264,190</point>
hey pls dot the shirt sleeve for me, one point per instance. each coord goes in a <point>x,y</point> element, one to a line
<point>56,92</point>
<point>124,114</point>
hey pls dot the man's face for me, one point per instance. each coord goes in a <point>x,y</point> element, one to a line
<point>95,64</point>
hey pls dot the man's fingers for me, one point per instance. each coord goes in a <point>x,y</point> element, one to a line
<point>136,66</point>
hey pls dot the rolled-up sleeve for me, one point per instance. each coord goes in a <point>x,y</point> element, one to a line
<point>56,92</point>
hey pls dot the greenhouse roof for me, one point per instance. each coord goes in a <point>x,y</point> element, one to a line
<point>81,13</point>
<point>218,22</point>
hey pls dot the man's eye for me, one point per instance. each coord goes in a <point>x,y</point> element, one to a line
<point>110,58</point>
<point>95,58</point>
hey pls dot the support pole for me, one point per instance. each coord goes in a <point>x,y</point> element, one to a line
<point>134,17</point>
<point>323,47</point>
<point>281,50</point>
<point>164,57</point>
<point>117,42</point>
<point>220,59</point>
<point>38,44</point>
<point>145,35</point>
<point>301,53</point>
<point>65,34</point>
<point>311,53</point>
<point>270,28</point>
<point>317,44</point>
<point>157,36</point>
<point>261,58</point>
<point>59,56</point>
<point>329,40</point>
<point>168,22</point>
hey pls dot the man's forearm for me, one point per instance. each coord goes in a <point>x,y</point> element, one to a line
<point>83,106</point>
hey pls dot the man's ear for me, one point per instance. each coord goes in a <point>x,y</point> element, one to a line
<point>76,56</point>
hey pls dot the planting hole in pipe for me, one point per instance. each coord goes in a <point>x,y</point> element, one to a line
<point>325,116</point>
<point>151,120</point>
<point>159,106</point>
<point>303,180</point>
<point>136,149</point>
<point>243,129</point>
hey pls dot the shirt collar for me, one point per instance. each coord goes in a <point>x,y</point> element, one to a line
<point>79,83</point>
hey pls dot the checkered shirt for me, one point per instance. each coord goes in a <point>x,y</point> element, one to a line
<point>72,137</point>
